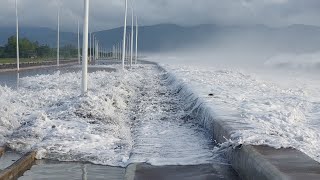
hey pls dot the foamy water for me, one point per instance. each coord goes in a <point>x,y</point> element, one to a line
<point>261,112</point>
<point>105,127</point>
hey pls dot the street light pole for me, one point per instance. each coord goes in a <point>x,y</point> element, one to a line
<point>137,29</point>
<point>17,36</point>
<point>58,38</point>
<point>124,34</point>
<point>93,47</point>
<point>131,56</point>
<point>85,48</point>
<point>90,42</point>
<point>79,58</point>
<point>97,49</point>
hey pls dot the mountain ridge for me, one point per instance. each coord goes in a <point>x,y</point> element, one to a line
<point>171,37</point>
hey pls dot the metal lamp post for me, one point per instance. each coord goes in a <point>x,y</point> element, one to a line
<point>90,37</point>
<point>58,38</point>
<point>131,45</point>
<point>79,56</point>
<point>85,48</point>
<point>124,34</point>
<point>17,36</point>
<point>137,29</point>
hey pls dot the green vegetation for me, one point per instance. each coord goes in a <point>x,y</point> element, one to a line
<point>33,52</point>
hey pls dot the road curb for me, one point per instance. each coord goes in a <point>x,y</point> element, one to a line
<point>19,167</point>
<point>251,162</point>
<point>12,67</point>
<point>130,172</point>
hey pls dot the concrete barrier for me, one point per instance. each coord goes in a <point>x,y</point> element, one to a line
<point>144,171</point>
<point>29,65</point>
<point>251,162</point>
<point>19,167</point>
<point>130,172</point>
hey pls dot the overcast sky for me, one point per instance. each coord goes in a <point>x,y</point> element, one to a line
<point>106,14</point>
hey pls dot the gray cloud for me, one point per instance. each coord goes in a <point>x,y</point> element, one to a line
<point>109,13</point>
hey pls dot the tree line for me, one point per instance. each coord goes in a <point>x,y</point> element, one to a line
<point>29,49</point>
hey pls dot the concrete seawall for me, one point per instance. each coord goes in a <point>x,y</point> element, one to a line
<point>251,162</point>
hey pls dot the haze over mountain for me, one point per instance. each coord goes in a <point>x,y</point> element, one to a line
<point>170,37</point>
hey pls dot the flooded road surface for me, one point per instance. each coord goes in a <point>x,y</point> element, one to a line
<point>167,142</point>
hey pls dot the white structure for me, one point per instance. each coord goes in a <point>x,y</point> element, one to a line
<point>90,46</point>
<point>97,49</point>
<point>17,36</point>
<point>85,48</point>
<point>124,34</point>
<point>58,38</point>
<point>137,31</point>
<point>79,56</point>
<point>93,47</point>
<point>131,45</point>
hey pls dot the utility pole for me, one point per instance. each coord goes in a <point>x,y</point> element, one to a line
<point>17,36</point>
<point>90,46</point>
<point>131,55</point>
<point>79,56</point>
<point>85,48</point>
<point>124,34</point>
<point>120,50</point>
<point>137,29</point>
<point>93,41</point>
<point>128,49</point>
<point>58,37</point>
<point>118,47</point>
<point>97,49</point>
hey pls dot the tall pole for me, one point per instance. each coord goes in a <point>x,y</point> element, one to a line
<point>97,50</point>
<point>131,56</point>
<point>117,51</point>
<point>128,42</point>
<point>58,37</point>
<point>85,48</point>
<point>137,29</point>
<point>17,36</point>
<point>119,57</point>
<point>124,34</point>
<point>93,47</point>
<point>127,52</point>
<point>90,46</point>
<point>79,56</point>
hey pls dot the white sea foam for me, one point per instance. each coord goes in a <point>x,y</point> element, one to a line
<point>309,61</point>
<point>47,114</point>
<point>260,112</point>
<point>112,125</point>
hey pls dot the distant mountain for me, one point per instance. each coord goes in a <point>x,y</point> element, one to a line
<point>163,37</point>
<point>170,37</point>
